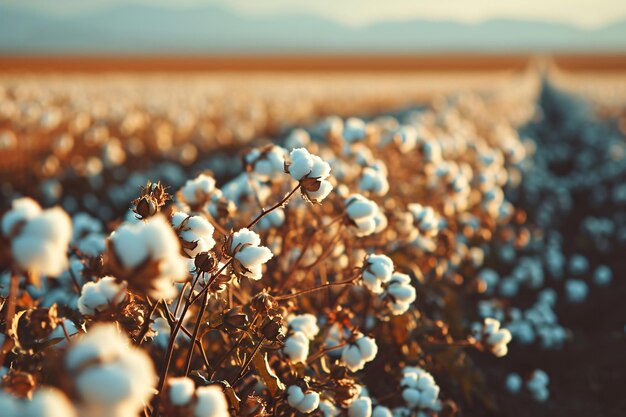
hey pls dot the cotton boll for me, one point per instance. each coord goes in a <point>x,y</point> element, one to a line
<point>101,295</point>
<point>425,219</point>
<point>111,377</point>
<point>578,264</point>
<point>576,290</point>
<point>47,402</point>
<point>493,337</point>
<point>362,214</point>
<point>303,402</point>
<point>355,355</point>
<point>305,323</point>
<point>311,172</point>
<point>377,271</point>
<point>40,242</point>
<point>296,347</point>
<point>147,255</point>
<point>328,409</point>
<point>354,130</point>
<point>602,276</point>
<point>195,232</point>
<point>513,383</point>
<point>381,411</point>
<point>244,247</point>
<point>273,219</point>
<point>211,402</point>
<point>197,192</point>
<point>400,293</point>
<point>419,389</point>
<point>267,163</point>
<point>361,407</point>
<point>538,385</point>
<point>374,181</point>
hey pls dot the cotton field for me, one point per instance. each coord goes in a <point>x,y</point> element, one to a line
<point>196,247</point>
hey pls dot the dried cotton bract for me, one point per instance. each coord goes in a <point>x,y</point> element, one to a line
<point>39,238</point>
<point>311,172</point>
<point>147,255</point>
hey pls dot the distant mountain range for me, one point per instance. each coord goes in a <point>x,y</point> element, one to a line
<point>148,29</point>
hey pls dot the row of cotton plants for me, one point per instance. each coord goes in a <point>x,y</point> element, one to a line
<point>353,268</point>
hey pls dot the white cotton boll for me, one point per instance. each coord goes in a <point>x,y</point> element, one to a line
<point>381,411</point>
<point>101,295</point>
<point>576,290</point>
<point>419,389</point>
<point>354,130</point>
<point>377,271</point>
<point>513,383</point>
<point>374,181</point>
<point>361,407</point>
<point>538,385</point>
<point>303,402</point>
<point>194,230</point>
<point>602,276</point>
<point>301,163</point>
<point>425,219</point>
<point>267,163</point>
<point>296,347</point>
<point>198,190</point>
<point>93,244</point>
<point>400,292</point>
<point>129,245</point>
<point>47,402</point>
<point>305,323</point>
<point>328,409</point>
<point>211,402</point>
<point>362,212</point>
<point>40,243</point>
<point>150,242</point>
<point>163,330</point>
<point>578,264</point>
<point>21,209</point>
<point>406,138</point>
<point>110,375</point>
<point>245,249</point>
<point>355,355</point>
<point>9,405</point>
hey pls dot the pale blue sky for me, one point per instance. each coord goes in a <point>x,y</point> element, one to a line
<point>587,13</point>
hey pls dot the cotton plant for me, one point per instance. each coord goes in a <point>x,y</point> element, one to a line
<point>39,238</point>
<point>147,255</point>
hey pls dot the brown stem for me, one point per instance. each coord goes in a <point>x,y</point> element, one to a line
<point>324,351</point>
<point>146,325</point>
<point>248,361</point>
<point>314,289</point>
<point>196,329</point>
<point>281,203</point>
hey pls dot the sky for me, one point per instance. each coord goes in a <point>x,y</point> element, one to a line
<point>584,13</point>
